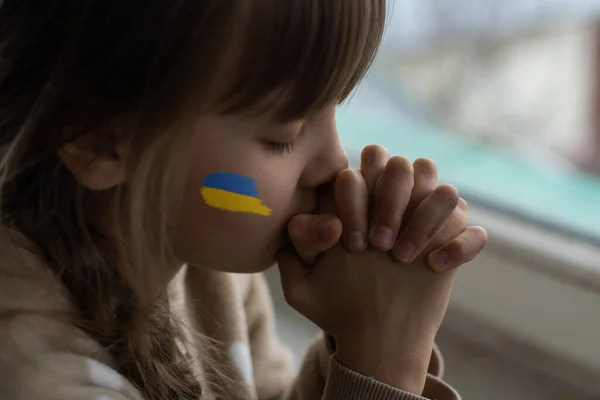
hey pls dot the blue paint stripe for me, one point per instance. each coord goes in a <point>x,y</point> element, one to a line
<point>231,182</point>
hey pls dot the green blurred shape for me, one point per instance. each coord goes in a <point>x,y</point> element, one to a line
<point>566,198</point>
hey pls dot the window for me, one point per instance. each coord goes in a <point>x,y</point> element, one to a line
<point>501,95</point>
<point>504,97</point>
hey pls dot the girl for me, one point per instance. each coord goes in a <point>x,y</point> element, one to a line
<point>151,149</point>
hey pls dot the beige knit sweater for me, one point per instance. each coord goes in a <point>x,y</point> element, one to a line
<point>43,358</point>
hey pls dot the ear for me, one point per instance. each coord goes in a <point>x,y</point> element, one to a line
<point>94,170</point>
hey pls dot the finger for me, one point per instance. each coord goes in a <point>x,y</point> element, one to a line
<point>293,277</point>
<point>459,251</point>
<point>425,224</point>
<point>312,234</point>
<point>453,227</point>
<point>392,193</point>
<point>352,201</point>
<point>426,180</point>
<point>373,160</point>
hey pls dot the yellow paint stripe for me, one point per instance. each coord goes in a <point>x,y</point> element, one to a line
<point>233,202</point>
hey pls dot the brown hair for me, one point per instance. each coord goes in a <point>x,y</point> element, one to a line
<point>130,69</point>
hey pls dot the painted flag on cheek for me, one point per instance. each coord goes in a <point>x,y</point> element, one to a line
<point>233,192</point>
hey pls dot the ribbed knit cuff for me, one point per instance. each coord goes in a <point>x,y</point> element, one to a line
<point>345,384</point>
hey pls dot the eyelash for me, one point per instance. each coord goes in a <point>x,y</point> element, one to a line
<point>281,148</point>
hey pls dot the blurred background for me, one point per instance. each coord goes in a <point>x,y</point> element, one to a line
<point>504,95</point>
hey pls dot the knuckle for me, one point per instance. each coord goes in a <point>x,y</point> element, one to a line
<point>425,167</point>
<point>399,165</point>
<point>480,235</point>
<point>447,193</point>
<point>350,188</point>
<point>444,201</point>
<point>458,252</point>
<point>395,183</point>
<point>397,178</point>
<point>453,227</point>
<point>463,205</point>
<point>343,178</point>
<point>356,176</point>
<point>374,154</point>
<point>464,249</point>
<point>348,180</point>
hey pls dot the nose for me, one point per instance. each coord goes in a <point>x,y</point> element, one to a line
<point>329,159</point>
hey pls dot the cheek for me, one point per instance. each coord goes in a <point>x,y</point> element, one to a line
<point>209,236</point>
<point>217,235</point>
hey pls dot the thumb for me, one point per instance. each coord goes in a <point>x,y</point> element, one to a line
<point>294,277</point>
<point>312,234</point>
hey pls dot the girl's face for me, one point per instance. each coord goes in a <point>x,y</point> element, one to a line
<point>287,161</point>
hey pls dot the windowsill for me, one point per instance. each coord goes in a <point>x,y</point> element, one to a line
<point>545,251</point>
<point>539,289</point>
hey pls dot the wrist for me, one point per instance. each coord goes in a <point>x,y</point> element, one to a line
<point>402,365</point>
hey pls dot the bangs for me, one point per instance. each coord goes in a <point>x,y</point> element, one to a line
<point>298,56</point>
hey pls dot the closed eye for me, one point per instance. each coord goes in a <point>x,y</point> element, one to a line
<point>281,148</point>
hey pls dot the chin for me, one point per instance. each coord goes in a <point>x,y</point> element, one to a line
<point>247,267</point>
<point>262,266</point>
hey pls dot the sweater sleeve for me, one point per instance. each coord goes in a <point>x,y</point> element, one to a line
<point>321,375</point>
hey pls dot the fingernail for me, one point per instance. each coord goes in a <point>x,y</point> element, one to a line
<point>383,237</point>
<point>404,250</point>
<point>355,241</point>
<point>438,260</point>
